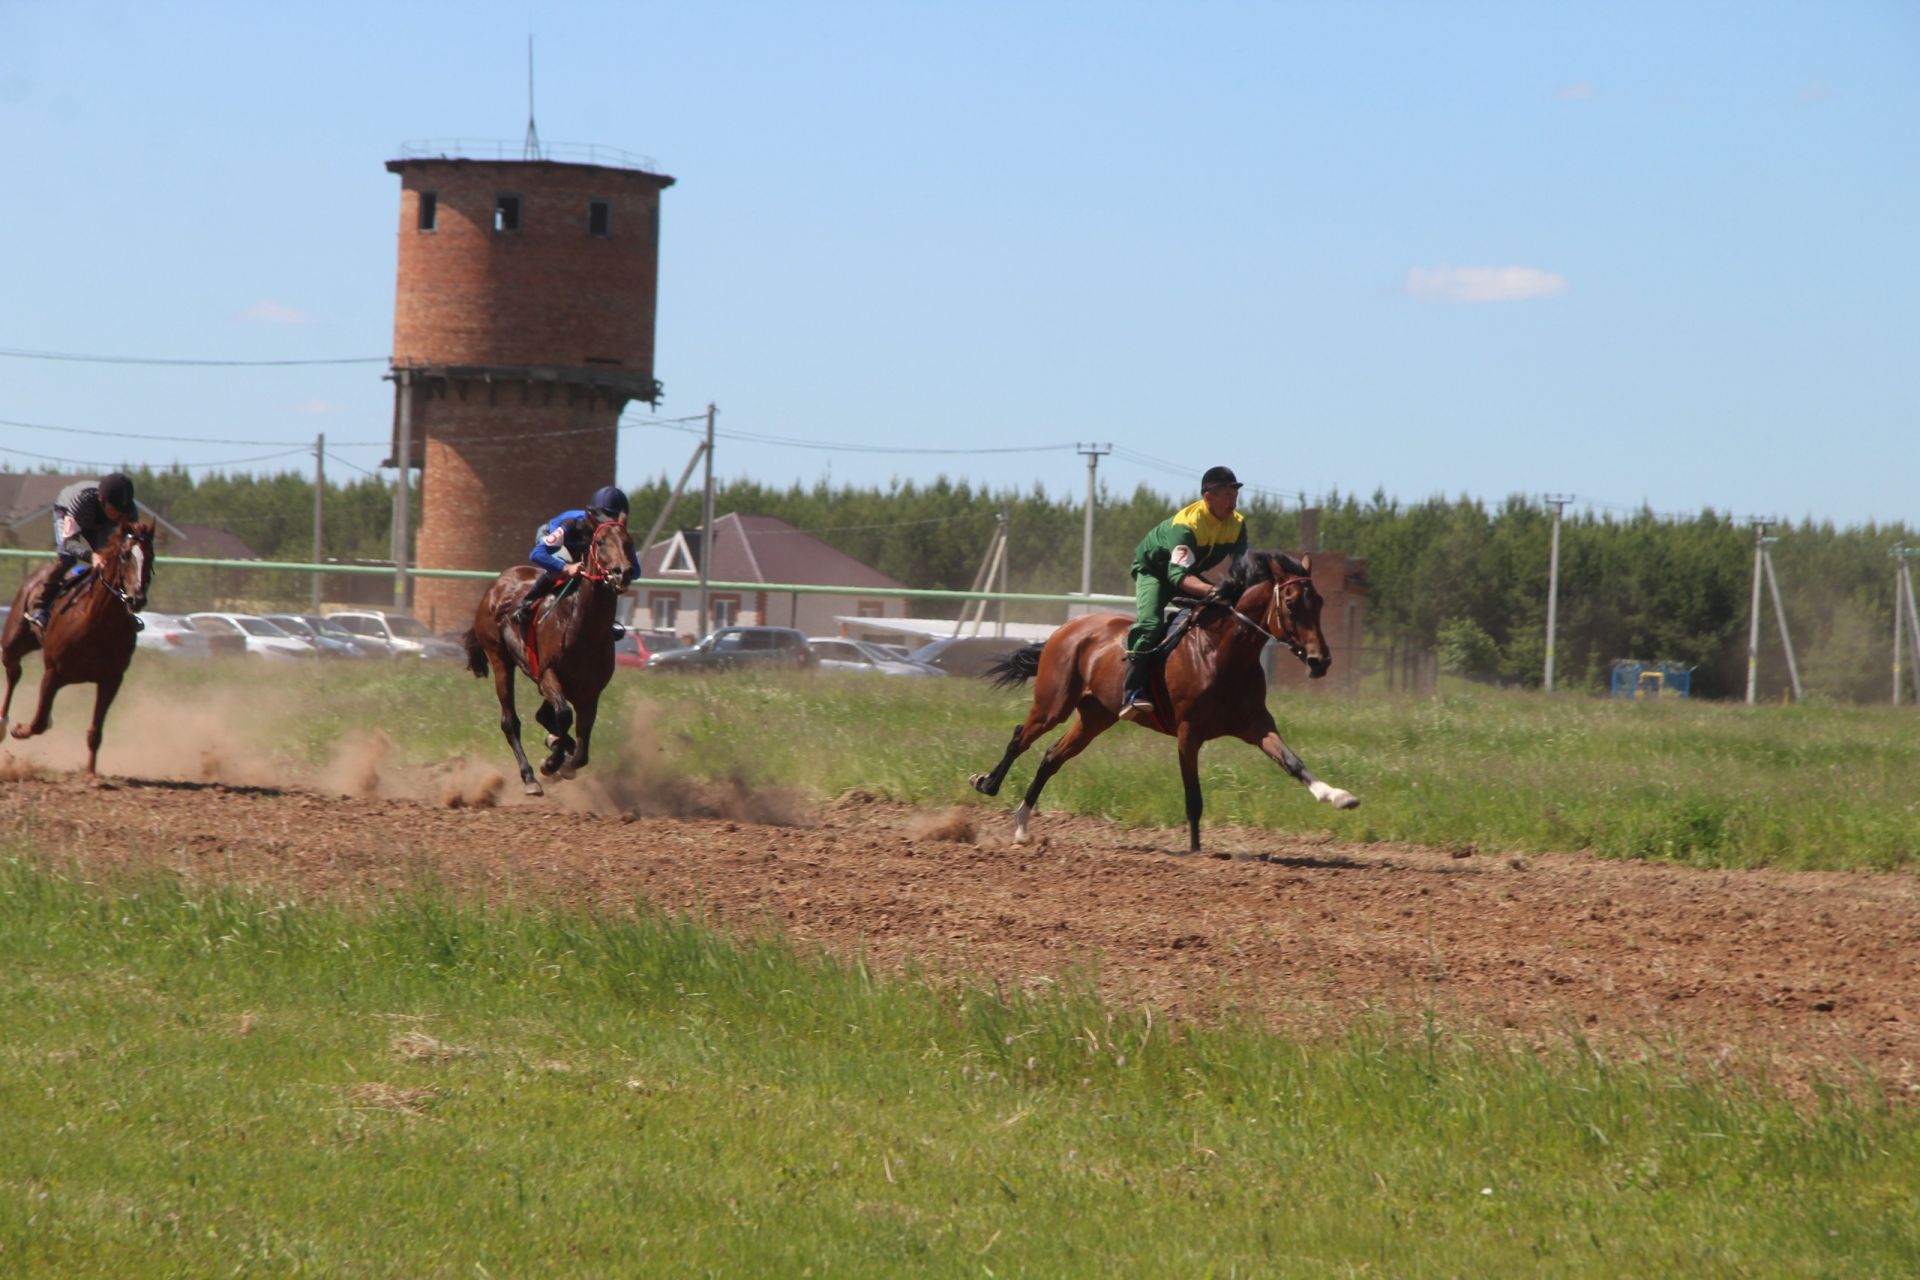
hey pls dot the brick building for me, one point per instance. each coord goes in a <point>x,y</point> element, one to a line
<point>523,325</point>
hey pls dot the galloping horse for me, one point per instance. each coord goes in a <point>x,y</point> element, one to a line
<point>90,637</point>
<point>572,657</point>
<point>1214,685</point>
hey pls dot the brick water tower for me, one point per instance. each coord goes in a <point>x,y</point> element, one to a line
<point>523,323</point>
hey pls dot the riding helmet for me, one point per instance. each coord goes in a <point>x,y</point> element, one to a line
<point>116,491</point>
<point>608,502</point>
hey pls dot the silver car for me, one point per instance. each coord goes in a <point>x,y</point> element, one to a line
<point>171,634</point>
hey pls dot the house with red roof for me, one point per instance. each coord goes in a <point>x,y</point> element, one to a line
<point>755,549</point>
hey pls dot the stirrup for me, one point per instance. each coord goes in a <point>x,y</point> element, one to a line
<point>38,620</point>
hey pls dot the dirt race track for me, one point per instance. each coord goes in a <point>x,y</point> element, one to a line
<point>1788,976</point>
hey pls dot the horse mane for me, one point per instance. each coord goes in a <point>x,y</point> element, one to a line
<point>1255,567</point>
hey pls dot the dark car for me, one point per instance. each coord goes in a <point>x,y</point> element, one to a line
<point>732,647</point>
<point>965,655</point>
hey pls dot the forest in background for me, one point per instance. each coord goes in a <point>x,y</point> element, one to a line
<point>1457,577</point>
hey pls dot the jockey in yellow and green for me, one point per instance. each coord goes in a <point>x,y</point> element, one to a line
<point>1170,561</point>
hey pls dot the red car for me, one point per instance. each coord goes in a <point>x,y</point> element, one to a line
<point>630,651</point>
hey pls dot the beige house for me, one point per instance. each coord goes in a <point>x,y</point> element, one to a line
<point>759,549</point>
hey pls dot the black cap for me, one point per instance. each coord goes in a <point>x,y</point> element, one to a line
<point>1218,478</point>
<point>116,491</point>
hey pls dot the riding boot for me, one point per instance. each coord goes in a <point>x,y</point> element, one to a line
<point>524,613</point>
<point>40,607</point>
<point>1135,703</point>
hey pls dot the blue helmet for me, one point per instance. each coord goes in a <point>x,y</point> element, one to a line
<point>608,503</point>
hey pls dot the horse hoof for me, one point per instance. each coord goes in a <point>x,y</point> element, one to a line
<point>22,731</point>
<point>534,789</point>
<point>980,783</point>
<point>553,740</point>
<point>1346,800</point>
<point>566,773</point>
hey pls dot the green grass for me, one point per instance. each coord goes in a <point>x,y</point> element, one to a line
<point>1698,783</point>
<point>202,1082</point>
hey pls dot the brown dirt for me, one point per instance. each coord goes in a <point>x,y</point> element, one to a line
<point>1788,976</point>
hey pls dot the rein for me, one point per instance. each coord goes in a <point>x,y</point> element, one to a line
<point>1273,607</point>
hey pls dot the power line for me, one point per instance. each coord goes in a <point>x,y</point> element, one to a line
<point>17,353</point>
<point>182,466</point>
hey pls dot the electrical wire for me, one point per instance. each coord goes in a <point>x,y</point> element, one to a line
<point>181,466</point>
<point>17,353</point>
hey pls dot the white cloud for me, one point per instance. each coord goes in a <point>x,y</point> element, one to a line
<point>1483,284</point>
<point>1579,91</point>
<point>318,406</point>
<point>275,313</point>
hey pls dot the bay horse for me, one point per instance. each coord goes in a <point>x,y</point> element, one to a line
<point>572,656</point>
<point>1213,684</point>
<point>90,635</point>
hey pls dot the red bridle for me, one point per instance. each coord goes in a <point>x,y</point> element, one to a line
<point>593,570</point>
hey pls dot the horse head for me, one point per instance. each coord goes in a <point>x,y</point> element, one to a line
<point>128,567</point>
<point>1291,611</point>
<point>611,556</point>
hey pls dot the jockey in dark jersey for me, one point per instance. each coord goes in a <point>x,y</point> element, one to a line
<point>86,515</point>
<point>560,548</point>
<point>1169,562</point>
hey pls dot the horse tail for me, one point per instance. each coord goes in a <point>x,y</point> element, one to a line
<point>476,655</point>
<point>1014,668</point>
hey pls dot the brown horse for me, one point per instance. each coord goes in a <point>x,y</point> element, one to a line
<point>572,657</point>
<point>90,637</point>
<point>1214,687</point>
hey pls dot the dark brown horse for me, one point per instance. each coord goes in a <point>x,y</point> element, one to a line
<point>90,636</point>
<point>572,652</point>
<point>1214,687</point>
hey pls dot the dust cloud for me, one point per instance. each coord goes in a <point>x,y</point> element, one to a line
<point>646,785</point>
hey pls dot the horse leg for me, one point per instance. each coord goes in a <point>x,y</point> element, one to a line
<point>510,719</point>
<point>104,693</point>
<point>557,718</point>
<point>11,662</point>
<point>1095,719</point>
<point>50,684</point>
<point>586,709</point>
<point>1267,738</point>
<point>1041,720</point>
<point>1190,780</point>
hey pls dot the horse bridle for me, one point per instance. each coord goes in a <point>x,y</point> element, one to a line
<point>1273,607</point>
<point>592,570</point>
<point>124,597</point>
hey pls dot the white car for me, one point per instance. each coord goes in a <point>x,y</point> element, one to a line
<point>173,635</point>
<point>263,639</point>
<point>860,655</point>
<point>404,636</point>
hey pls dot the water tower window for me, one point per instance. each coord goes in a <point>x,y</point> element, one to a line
<point>429,210</point>
<point>599,217</point>
<point>506,213</point>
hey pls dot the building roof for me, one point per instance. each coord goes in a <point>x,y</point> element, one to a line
<point>751,548</point>
<point>205,542</point>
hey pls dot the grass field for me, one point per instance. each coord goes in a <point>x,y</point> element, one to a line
<point>1697,783</point>
<point>199,1082</point>
<point>195,1081</point>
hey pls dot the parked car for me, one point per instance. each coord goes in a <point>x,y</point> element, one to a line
<point>362,646</point>
<point>261,638</point>
<point>172,634</point>
<point>732,647</point>
<point>327,646</point>
<point>404,635</point>
<point>837,654</point>
<point>965,655</point>
<point>658,641</point>
<point>630,651</point>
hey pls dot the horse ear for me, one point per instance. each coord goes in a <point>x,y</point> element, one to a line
<point>1306,565</point>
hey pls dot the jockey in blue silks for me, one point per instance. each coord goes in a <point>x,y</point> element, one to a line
<point>560,548</point>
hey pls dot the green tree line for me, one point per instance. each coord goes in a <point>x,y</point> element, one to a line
<point>1456,577</point>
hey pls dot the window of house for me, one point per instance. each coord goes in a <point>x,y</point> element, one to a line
<point>666,611</point>
<point>506,213</point>
<point>679,559</point>
<point>429,210</point>
<point>599,217</point>
<point>870,609</point>
<point>726,610</point>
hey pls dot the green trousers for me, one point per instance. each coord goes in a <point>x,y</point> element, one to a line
<point>1150,599</point>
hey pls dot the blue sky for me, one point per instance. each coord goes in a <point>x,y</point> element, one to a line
<point>1660,254</point>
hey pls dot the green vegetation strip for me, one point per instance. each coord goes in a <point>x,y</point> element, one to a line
<point>204,1082</point>
<point>1702,784</point>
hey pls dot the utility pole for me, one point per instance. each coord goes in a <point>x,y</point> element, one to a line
<point>1559,501</point>
<point>402,501</point>
<point>1780,615</point>
<point>1904,614</point>
<point>706,525</point>
<point>1753,611</point>
<point>319,489</point>
<point>1092,453</point>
